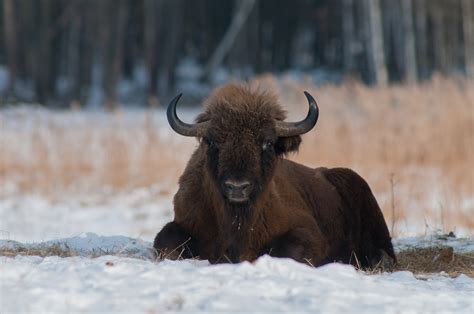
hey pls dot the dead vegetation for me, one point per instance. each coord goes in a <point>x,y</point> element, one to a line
<point>413,144</point>
<point>421,262</point>
<point>434,260</point>
<point>61,250</point>
<point>43,251</point>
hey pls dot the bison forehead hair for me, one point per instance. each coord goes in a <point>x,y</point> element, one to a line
<point>237,108</point>
<point>242,136</point>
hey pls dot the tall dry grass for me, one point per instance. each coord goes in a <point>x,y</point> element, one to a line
<point>416,141</point>
<point>52,152</point>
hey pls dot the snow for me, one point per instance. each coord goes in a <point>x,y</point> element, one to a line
<point>135,214</point>
<point>110,234</point>
<point>111,283</point>
<point>125,277</point>
<point>460,245</point>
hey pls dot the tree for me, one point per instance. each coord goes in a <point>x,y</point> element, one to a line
<point>348,35</point>
<point>468,34</point>
<point>439,44</point>
<point>421,35</point>
<point>10,42</point>
<point>240,16</point>
<point>44,83</point>
<point>374,43</point>
<point>409,56</point>
<point>171,40</point>
<point>113,51</point>
<point>151,10</point>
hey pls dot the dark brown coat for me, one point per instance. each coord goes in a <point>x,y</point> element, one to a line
<point>311,215</point>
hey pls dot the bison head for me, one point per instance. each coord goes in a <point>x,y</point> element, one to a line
<point>243,134</point>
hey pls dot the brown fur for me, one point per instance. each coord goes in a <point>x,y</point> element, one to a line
<point>311,215</point>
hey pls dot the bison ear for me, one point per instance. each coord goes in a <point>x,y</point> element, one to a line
<point>287,144</point>
<point>203,117</point>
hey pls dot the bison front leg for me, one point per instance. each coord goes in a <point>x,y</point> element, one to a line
<point>173,242</point>
<point>300,244</point>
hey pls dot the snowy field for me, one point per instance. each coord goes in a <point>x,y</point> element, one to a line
<point>124,277</point>
<point>105,223</point>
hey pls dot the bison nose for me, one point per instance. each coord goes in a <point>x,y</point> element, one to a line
<point>237,190</point>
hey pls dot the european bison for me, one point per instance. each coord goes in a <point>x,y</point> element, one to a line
<point>239,198</point>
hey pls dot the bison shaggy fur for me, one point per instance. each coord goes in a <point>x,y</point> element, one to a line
<point>281,208</point>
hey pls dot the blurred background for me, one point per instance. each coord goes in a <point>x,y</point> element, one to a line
<point>109,52</point>
<point>84,85</point>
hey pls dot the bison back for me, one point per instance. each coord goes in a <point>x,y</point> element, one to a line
<point>366,225</point>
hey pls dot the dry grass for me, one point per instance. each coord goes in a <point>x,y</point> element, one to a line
<point>416,140</point>
<point>419,261</point>
<point>117,155</point>
<point>50,250</point>
<point>61,250</point>
<point>434,260</point>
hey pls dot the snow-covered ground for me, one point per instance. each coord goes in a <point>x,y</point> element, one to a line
<point>129,280</point>
<point>109,233</point>
<point>32,218</point>
<point>113,269</point>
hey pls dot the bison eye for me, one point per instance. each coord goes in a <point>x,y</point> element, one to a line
<point>267,144</point>
<point>209,141</point>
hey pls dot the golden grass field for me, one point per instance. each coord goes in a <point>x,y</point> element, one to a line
<point>414,145</point>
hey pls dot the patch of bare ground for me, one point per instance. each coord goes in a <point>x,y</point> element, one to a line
<point>50,250</point>
<point>422,261</point>
<point>60,250</point>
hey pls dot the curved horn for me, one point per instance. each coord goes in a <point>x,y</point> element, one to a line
<point>183,128</point>
<point>285,129</point>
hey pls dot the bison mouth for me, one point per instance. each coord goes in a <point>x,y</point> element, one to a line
<point>238,200</point>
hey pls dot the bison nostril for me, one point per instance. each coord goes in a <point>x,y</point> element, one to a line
<point>245,186</point>
<point>238,187</point>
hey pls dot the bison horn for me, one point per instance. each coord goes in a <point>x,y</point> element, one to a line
<point>285,129</point>
<point>183,128</point>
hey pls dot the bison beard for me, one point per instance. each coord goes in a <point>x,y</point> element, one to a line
<point>239,198</point>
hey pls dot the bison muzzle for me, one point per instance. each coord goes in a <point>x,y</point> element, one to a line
<point>239,198</point>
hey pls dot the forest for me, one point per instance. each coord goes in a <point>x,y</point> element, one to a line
<point>61,53</point>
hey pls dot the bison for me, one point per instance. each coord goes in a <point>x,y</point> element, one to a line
<point>239,198</point>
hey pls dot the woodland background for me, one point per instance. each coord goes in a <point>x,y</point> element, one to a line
<point>72,53</point>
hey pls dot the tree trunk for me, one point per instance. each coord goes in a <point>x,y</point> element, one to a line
<point>114,53</point>
<point>240,16</point>
<point>73,56</point>
<point>152,10</point>
<point>374,46</point>
<point>244,52</point>
<point>421,38</point>
<point>348,35</point>
<point>468,34</point>
<point>43,75</point>
<point>88,49</point>
<point>439,45</point>
<point>409,64</point>
<point>172,16</point>
<point>10,43</point>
